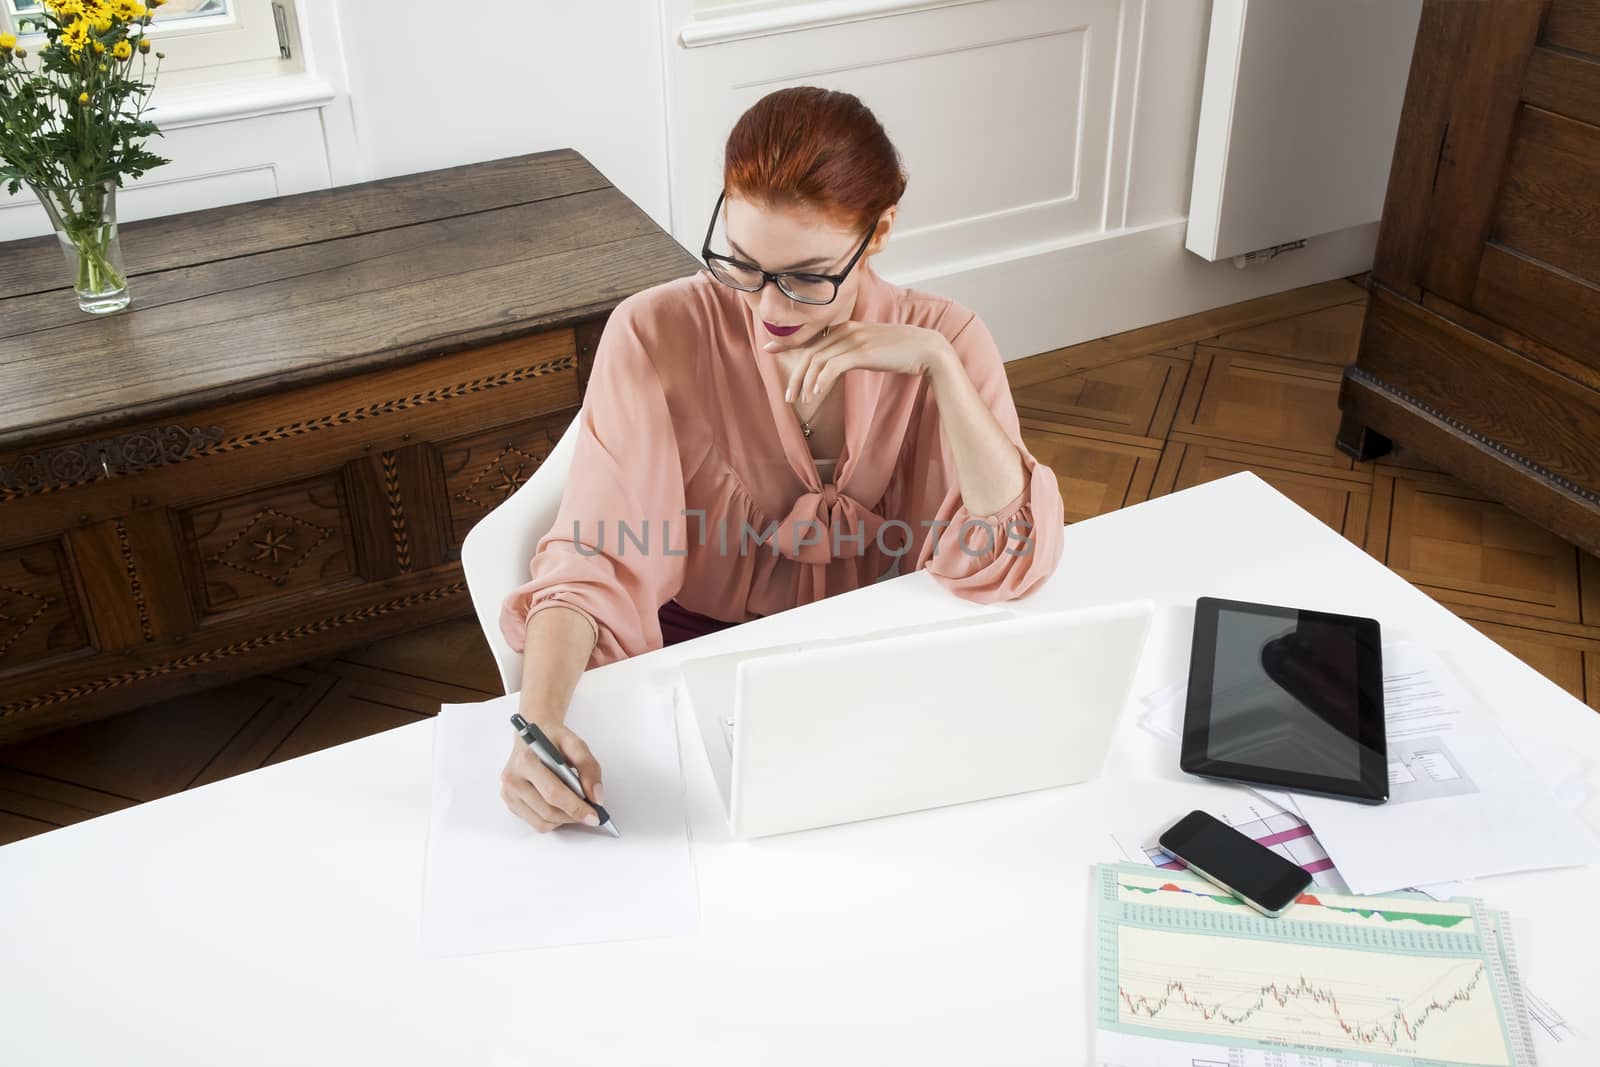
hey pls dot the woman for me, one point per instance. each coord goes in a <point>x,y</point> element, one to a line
<point>780,427</point>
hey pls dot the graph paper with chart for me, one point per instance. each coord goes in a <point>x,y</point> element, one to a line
<point>1188,976</point>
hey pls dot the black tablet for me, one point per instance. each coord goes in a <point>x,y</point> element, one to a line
<point>1288,698</point>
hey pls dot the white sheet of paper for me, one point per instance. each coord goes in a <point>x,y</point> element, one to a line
<point>1447,755</point>
<point>494,883</point>
<point>1549,1025</point>
<point>1463,803</point>
<point>1286,801</point>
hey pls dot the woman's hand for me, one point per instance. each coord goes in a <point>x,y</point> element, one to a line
<point>534,794</point>
<point>885,346</point>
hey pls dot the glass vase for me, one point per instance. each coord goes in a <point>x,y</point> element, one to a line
<point>85,220</point>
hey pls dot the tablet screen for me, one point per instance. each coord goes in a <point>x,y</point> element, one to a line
<point>1284,694</point>
<point>1286,697</point>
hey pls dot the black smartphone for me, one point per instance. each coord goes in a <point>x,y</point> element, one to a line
<point>1249,870</point>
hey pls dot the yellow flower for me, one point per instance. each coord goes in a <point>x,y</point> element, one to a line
<point>98,47</point>
<point>8,41</point>
<point>83,98</point>
<point>122,49</point>
<point>76,36</point>
<point>144,46</point>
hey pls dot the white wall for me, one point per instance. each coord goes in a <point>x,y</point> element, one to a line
<point>1049,142</point>
<point>381,98</point>
<point>534,75</point>
<point>1050,145</point>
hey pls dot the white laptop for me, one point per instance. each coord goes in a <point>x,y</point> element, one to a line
<point>832,731</point>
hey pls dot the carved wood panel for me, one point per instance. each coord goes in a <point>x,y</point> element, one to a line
<point>39,611</point>
<point>399,496</point>
<point>269,544</point>
<point>482,470</point>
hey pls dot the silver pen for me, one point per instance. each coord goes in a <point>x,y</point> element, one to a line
<point>551,757</point>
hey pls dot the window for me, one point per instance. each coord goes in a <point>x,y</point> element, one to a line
<point>203,40</point>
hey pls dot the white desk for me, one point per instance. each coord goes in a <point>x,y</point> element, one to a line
<point>273,918</point>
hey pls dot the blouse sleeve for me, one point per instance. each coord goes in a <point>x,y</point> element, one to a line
<point>615,552</point>
<point>983,558</point>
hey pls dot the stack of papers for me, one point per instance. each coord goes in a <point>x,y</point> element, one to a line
<point>1462,802</point>
<point>1264,823</point>
<point>493,882</point>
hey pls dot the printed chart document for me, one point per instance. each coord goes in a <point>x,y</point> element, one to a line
<point>1189,975</point>
<point>493,882</point>
<point>1463,803</point>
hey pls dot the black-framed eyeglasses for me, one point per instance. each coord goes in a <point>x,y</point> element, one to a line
<point>808,287</point>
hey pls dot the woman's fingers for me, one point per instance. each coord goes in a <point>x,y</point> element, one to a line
<point>842,356</point>
<point>809,380</point>
<point>537,795</point>
<point>804,372</point>
<point>556,793</point>
<point>541,790</point>
<point>817,352</point>
<point>520,808</point>
<point>791,388</point>
<point>523,801</point>
<point>588,767</point>
<point>830,372</point>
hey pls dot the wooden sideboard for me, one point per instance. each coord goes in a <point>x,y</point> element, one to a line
<point>275,451</point>
<point>1481,346</point>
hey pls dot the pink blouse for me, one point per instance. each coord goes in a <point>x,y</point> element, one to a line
<point>691,479</point>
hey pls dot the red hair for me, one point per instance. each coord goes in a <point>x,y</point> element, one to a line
<point>814,148</point>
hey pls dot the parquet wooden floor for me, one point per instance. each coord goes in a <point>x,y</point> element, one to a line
<point>1120,419</point>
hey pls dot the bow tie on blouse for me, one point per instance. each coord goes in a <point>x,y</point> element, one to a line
<point>821,519</point>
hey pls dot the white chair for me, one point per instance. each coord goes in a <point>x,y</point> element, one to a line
<point>496,551</point>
